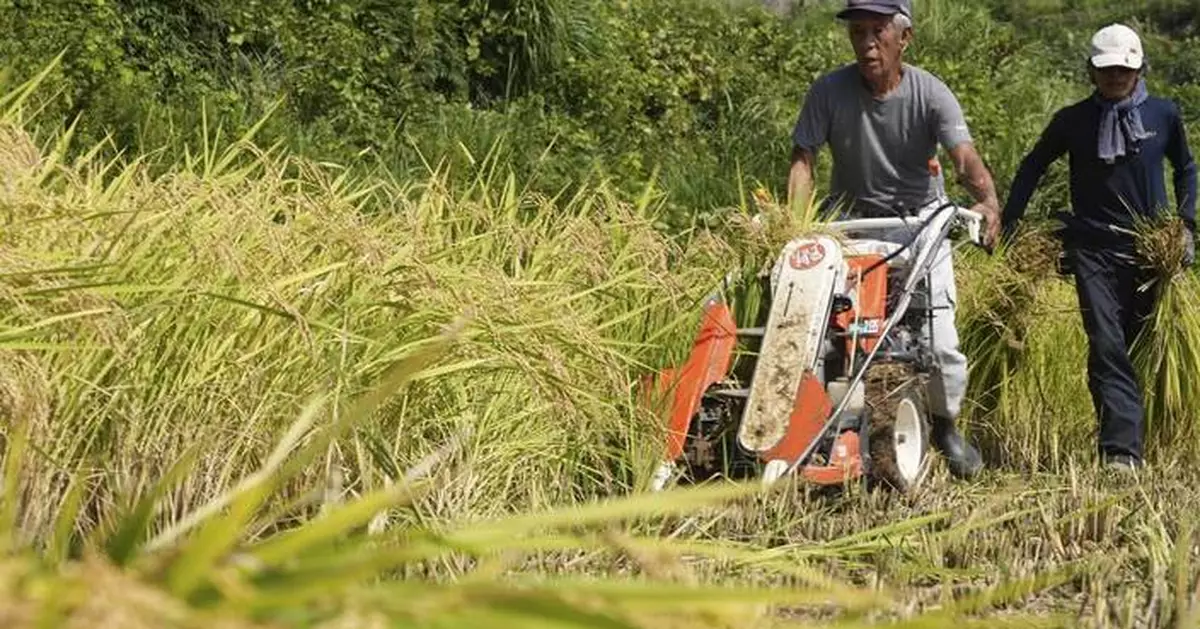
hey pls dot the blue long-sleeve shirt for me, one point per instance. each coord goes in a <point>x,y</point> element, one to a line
<point>1106,194</point>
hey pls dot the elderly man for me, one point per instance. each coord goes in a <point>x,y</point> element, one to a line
<point>1116,140</point>
<point>883,120</point>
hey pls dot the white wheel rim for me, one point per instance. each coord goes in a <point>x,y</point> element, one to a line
<point>909,440</point>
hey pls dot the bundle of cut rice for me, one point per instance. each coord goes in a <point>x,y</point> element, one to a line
<point>1167,352</point>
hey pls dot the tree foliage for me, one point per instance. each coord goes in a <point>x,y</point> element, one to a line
<point>698,93</point>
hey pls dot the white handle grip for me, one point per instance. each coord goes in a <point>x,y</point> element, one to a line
<point>974,224</point>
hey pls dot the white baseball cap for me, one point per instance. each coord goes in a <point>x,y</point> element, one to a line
<point>1116,45</point>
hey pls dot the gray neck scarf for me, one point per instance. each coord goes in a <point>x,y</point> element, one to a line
<point>1121,124</point>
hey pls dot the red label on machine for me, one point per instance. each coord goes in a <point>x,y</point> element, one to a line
<point>807,256</point>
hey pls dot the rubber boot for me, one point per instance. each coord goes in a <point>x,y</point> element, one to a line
<point>964,460</point>
<point>1122,463</point>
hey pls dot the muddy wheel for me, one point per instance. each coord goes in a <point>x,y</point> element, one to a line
<point>899,427</point>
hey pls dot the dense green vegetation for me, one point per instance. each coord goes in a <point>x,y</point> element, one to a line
<point>286,370</point>
<point>696,95</point>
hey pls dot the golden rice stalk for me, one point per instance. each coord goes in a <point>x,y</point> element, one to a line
<point>1159,244</point>
<point>1001,295</point>
<point>1014,314</point>
<point>1167,351</point>
<point>1166,355</point>
<point>760,231</point>
<point>1034,253</point>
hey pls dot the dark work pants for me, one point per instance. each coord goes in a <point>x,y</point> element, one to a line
<point>1115,304</point>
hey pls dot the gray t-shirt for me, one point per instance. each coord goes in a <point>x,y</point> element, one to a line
<point>881,147</point>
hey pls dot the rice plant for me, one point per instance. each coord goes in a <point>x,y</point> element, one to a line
<point>1168,349</point>
<point>256,391</point>
<point>1021,331</point>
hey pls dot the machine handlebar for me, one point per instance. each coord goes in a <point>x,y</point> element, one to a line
<point>970,219</point>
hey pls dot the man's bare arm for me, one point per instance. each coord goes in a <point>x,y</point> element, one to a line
<point>800,178</point>
<point>974,176</point>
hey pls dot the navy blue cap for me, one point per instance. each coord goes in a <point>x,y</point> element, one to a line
<point>884,7</point>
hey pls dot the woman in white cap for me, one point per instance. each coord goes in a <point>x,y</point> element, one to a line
<point>1117,140</point>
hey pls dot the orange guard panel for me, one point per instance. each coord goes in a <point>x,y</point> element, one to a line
<point>845,463</point>
<point>809,413</point>
<point>872,299</point>
<point>707,364</point>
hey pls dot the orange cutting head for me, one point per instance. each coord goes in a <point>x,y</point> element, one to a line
<point>707,364</point>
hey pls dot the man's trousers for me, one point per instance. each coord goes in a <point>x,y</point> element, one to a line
<point>1114,304</point>
<point>948,380</point>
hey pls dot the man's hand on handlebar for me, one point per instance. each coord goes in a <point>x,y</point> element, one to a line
<point>974,176</point>
<point>991,224</point>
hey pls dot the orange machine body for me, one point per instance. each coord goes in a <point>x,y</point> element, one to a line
<point>711,357</point>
